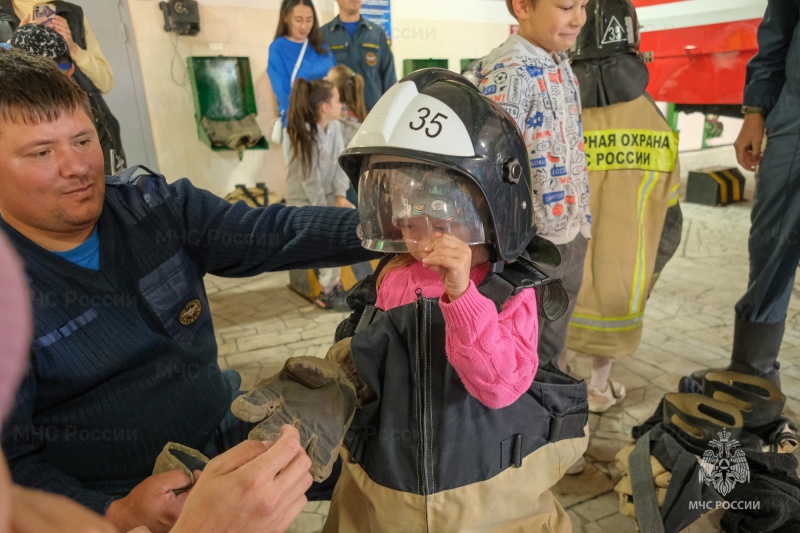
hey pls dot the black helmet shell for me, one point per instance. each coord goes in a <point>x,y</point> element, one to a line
<point>439,117</point>
<point>611,28</point>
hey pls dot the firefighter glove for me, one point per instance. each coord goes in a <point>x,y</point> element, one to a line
<point>312,394</point>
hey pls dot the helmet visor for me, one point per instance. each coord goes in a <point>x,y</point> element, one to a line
<point>403,205</point>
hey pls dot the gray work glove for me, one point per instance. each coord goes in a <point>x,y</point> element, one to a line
<point>312,394</point>
<point>176,456</point>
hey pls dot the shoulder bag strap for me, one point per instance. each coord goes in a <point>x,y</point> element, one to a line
<point>297,65</point>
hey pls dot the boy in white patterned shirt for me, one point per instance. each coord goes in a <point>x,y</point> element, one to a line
<point>530,76</point>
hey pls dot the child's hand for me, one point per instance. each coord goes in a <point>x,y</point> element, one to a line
<point>451,258</point>
<point>342,201</point>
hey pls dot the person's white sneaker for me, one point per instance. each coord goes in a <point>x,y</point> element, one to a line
<point>601,401</point>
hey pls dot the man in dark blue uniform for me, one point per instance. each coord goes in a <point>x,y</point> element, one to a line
<point>124,355</point>
<point>363,46</point>
<point>771,101</point>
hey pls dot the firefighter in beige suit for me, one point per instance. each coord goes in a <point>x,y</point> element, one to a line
<point>633,179</point>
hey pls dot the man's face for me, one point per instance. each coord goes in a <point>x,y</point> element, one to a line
<point>349,7</point>
<point>52,180</point>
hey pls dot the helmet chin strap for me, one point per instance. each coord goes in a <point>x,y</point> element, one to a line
<point>497,263</point>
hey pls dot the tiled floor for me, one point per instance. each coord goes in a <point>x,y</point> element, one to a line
<point>688,326</point>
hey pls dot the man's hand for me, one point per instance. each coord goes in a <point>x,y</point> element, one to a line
<point>255,486</point>
<point>151,503</point>
<point>451,259</point>
<point>748,144</point>
<point>35,511</point>
<point>59,24</point>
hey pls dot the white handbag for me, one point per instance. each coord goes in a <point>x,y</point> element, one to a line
<point>276,136</point>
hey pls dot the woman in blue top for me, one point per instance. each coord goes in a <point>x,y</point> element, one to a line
<point>297,25</point>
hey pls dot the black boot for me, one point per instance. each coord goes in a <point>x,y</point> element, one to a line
<point>756,347</point>
<point>755,351</point>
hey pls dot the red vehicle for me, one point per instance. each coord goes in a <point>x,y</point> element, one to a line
<point>700,51</point>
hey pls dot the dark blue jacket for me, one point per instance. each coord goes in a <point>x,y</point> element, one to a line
<point>367,52</point>
<point>777,64</point>
<point>124,359</point>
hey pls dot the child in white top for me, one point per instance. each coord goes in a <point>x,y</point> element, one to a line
<point>530,76</point>
<point>314,176</point>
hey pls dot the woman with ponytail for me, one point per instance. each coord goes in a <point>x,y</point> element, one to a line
<point>315,178</point>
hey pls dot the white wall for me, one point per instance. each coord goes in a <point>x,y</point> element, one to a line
<point>245,28</point>
<point>447,29</point>
<point>415,38</point>
<point>440,29</point>
<point>230,28</point>
<point>486,11</point>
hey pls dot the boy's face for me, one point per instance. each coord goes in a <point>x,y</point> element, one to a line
<point>553,25</point>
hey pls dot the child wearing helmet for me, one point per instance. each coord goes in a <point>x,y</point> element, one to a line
<point>444,190</point>
<point>437,223</point>
<point>448,421</point>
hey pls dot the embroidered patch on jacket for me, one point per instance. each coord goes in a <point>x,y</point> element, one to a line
<point>372,59</point>
<point>190,313</point>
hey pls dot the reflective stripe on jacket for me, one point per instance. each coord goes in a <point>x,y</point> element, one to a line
<point>633,175</point>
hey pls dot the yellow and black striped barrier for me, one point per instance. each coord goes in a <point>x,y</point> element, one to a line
<point>715,186</point>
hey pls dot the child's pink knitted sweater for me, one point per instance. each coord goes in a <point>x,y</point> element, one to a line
<point>495,355</point>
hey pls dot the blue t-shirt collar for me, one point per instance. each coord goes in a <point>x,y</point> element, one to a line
<point>86,254</point>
